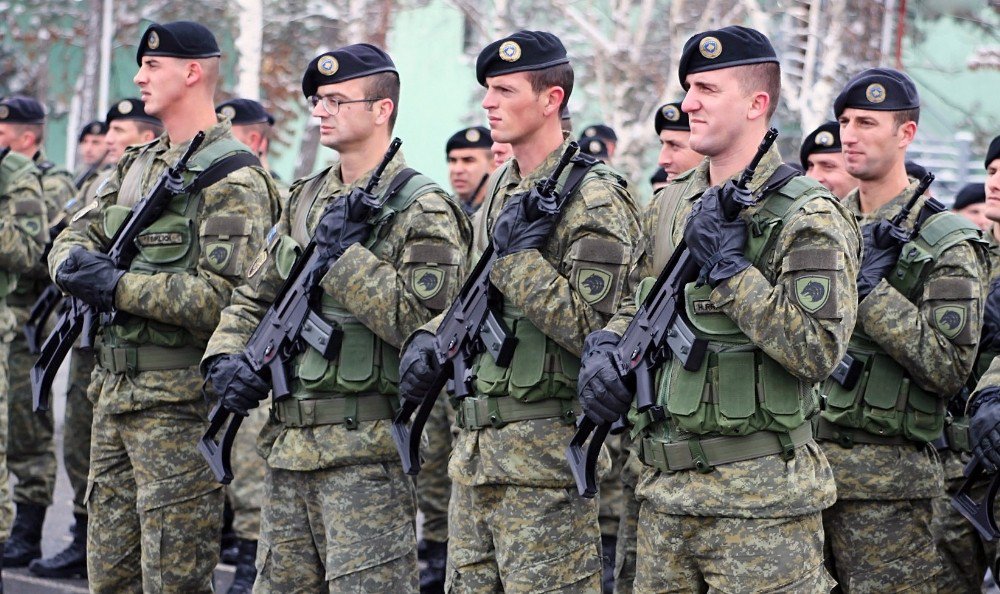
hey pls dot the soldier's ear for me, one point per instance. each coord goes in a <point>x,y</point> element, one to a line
<point>553,100</point>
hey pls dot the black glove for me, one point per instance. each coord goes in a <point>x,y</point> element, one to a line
<point>881,251</point>
<point>514,231</point>
<point>418,368</point>
<point>714,242</point>
<point>91,277</point>
<point>984,427</point>
<point>237,384</point>
<point>336,231</point>
<point>603,396</point>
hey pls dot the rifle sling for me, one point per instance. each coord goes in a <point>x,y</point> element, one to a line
<point>217,171</point>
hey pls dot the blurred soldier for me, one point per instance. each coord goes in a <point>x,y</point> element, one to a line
<point>674,131</point>
<point>128,125</point>
<point>565,120</point>
<point>596,148</point>
<point>733,483</point>
<point>469,166</point>
<point>917,332</point>
<point>90,150</point>
<point>658,179</point>
<point>515,523</point>
<point>153,504</point>
<point>24,132</point>
<point>252,126</point>
<point>971,204</point>
<point>501,151</point>
<point>601,132</point>
<point>823,160</point>
<point>338,512</point>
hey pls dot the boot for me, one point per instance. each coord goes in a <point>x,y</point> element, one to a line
<point>246,571</point>
<point>435,554</point>
<point>25,541</point>
<point>72,561</point>
<point>608,543</point>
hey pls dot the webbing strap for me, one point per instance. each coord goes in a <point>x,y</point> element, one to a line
<point>218,170</point>
<point>132,360</point>
<point>705,454</point>
<point>339,409</point>
<point>846,437</point>
<point>479,412</point>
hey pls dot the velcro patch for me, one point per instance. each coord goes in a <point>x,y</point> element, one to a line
<point>154,239</point>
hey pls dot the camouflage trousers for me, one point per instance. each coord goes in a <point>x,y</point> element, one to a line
<point>882,546</point>
<point>506,538</point>
<point>77,424</point>
<point>628,524</point>
<point>155,508</point>
<point>31,451</point>
<point>964,555</point>
<point>6,506</point>
<point>344,529</point>
<point>610,504</point>
<point>246,491</point>
<point>433,483</point>
<point>716,554</point>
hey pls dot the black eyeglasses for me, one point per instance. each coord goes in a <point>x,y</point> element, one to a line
<point>332,106</point>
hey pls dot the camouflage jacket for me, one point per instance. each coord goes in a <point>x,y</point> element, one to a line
<point>763,302</point>
<point>192,300</point>
<point>57,183</point>
<point>375,287</point>
<point>23,228</point>
<point>542,284</point>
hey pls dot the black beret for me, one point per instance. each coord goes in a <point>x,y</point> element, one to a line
<point>825,139</point>
<point>594,147</point>
<point>244,111</point>
<point>659,177</point>
<point>915,170</point>
<point>346,63</point>
<point>669,116</point>
<point>19,109</point>
<point>605,133</point>
<point>724,48</point>
<point>521,52</point>
<point>180,39</point>
<point>130,109</point>
<point>993,152</point>
<point>878,89</point>
<point>970,194</point>
<point>467,138</point>
<point>95,128</point>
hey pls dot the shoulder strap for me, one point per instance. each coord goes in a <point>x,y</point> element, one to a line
<point>219,169</point>
<point>663,242</point>
<point>787,193</point>
<point>307,197</point>
<point>942,231</point>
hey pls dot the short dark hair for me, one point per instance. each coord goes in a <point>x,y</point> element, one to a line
<point>906,115</point>
<point>385,85</point>
<point>556,76</point>
<point>762,77</point>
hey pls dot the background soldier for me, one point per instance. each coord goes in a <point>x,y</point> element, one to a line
<point>23,130</point>
<point>153,505</point>
<point>674,131</point>
<point>129,125</point>
<point>515,524</point>
<point>748,519</point>
<point>338,512</point>
<point>469,166</point>
<point>602,132</point>
<point>252,126</point>
<point>90,148</point>
<point>823,160</point>
<point>916,335</point>
<point>970,202</point>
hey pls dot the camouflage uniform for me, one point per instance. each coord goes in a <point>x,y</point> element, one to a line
<point>23,232</point>
<point>678,549</point>
<point>338,512</point>
<point>516,523</point>
<point>153,504</point>
<point>246,491</point>
<point>433,484</point>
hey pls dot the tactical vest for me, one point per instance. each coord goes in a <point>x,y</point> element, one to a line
<point>886,401</point>
<point>29,216</point>
<point>366,364</point>
<point>171,243</point>
<point>739,390</point>
<point>540,369</point>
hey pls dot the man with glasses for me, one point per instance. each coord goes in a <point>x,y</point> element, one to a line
<point>338,513</point>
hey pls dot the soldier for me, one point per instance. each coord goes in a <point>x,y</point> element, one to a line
<point>90,149</point>
<point>658,179</point>
<point>970,202</point>
<point>823,160</point>
<point>514,522</point>
<point>469,166</point>
<point>128,124</point>
<point>24,131</point>
<point>733,483</point>
<point>338,512</point>
<point>916,336</point>
<point>501,151</point>
<point>252,126</point>
<point>674,131</point>
<point>153,506</point>
<point>596,148</point>
<point>602,132</point>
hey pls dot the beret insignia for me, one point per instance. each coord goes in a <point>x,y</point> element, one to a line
<point>671,114</point>
<point>710,47</point>
<point>824,138</point>
<point>472,135</point>
<point>4,112</point>
<point>327,65</point>
<point>510,51</point>
<point>228,111</point>
<point>95,128</point>
<point>125,107</point>
<point>590,131</point>
<point>875,93</point>
<point>154,40</point>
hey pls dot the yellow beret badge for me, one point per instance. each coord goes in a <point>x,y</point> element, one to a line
<point>327,65</point>
<point>154,40</point>
<point>510,51</point>
<point>875,93</point>
<point>710,47</point>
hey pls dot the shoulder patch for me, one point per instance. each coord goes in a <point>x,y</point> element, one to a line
<point>950,319</point>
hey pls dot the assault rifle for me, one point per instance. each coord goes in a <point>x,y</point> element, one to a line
<point>848,370</point>
<point>979,513</point>
<point>473,324</point>
<point>659,331</point>
<point>51,296</point>
<point>78,317</point>
<point>290,324</point>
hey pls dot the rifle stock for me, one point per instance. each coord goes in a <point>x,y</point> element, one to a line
<point>979,513</point>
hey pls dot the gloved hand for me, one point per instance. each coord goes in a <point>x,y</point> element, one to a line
<point>91,277</point>
<point>336,231</point>
<point>881,251</point>
<point>513,231</point>
<point>715,243</point>
<point>984,427</point>
<point>418,368</point>
<point>237,384</point>
<point>603,396</point>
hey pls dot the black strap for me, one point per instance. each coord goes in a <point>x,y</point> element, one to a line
<point>221,168</point>
<point>781,176</point>
<point>581,164</point>
<point>397,183</point>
